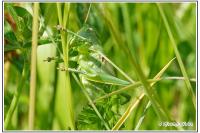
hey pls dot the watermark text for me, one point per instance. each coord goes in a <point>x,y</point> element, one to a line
<point>176,124</point>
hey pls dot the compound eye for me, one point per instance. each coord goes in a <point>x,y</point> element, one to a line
<point>90,29</point>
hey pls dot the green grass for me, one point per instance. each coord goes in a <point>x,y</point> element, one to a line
<point>99,66</point>
<point>169,32</point>
<point>15,99</point>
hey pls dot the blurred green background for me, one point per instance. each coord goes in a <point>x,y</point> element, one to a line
<point>137,26</point>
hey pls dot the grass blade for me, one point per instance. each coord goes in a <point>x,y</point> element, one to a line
<point>158,75</point>
<point>143,115</point>
<point>88,12</point>
<point>179,78</point>
<point>139,84</point>
<point>180,62</point>
<point>137,69</point>
<point>16,97</point>
<point>132,86</point>
<point>135,102</point>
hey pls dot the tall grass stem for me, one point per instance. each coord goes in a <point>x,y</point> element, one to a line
<point>63,21</point>
<point>33,66</point>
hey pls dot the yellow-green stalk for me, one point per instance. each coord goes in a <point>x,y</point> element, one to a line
<point>63,21</point>
<point>33,66</point>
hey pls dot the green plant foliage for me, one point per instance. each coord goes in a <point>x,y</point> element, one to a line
<point>100,66</point>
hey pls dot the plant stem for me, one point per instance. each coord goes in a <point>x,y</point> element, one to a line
<point>149,91</point>
<point>33,66</point>
<point>137,69</point>
<point>64,22</point>
<point>135,102</point>
<point>139,84</point>
<point>86,18</point>
<point>132,86</point>
<point>143,115</point>
<point>53,100</point>
<point>180,62</point>
<point>15,99</point>
<point>7,65</point>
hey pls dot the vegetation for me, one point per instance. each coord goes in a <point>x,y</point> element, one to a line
<point>99,66</point>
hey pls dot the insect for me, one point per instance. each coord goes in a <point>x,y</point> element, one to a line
<point>86,51</point>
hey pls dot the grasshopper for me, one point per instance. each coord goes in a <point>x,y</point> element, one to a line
<point>94,74</point>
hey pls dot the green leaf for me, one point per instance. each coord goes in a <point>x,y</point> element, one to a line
<point>10,47</point>
<point>25,20</point>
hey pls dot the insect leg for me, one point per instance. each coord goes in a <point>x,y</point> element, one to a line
<point>60,28</point>
<point>70,70</point>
